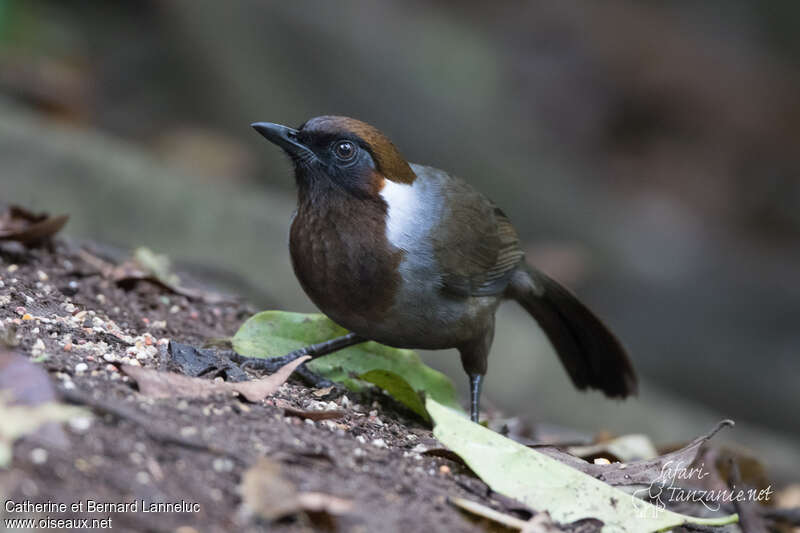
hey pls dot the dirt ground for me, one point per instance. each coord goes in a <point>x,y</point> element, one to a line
<point>79,325</point>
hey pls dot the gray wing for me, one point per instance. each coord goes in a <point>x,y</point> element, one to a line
<point>475,245</point>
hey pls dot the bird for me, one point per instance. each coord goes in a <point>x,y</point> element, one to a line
<point>411,256</point>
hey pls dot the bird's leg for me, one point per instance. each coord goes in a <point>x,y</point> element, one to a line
<point>271,364</point>
<point>475,382</point>
<point>311,378</point>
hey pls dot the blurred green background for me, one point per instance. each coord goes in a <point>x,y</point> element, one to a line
<point>646,151</point>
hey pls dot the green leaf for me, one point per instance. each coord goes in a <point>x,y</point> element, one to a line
<point>398,388</point>
<point>545,484</point>
<point>275,333</point>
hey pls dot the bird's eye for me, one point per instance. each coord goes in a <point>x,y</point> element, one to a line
<point>344,150</point>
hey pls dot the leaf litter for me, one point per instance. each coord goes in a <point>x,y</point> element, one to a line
<point>266,493</point>
<point>19,224</point>
<point>29,406</point>
<point>371,456</point>
<point>545,484</point>
<point>170,385</point>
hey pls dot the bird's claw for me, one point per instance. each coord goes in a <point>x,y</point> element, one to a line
<point>270,364</point>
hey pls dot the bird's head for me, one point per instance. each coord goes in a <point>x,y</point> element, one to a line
<point>341,152</point>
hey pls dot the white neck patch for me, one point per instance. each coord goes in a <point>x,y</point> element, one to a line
<point>401,223</point>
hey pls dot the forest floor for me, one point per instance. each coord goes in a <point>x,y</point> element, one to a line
<point>363,464</point>
<point>74,317</point>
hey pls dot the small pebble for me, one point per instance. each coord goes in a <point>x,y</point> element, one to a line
<point>38,348</point>
<point>222,464</point>
<point>27,316</point>
<point>81,368</point>
<point>12,268</point>
<point>42,275</point>
<point>379,443</point>
<point>82,464</point>
<point>143,478</point>
<point>188,431</point>
<point>38,456</point>
<point>80,424</point>
<point>444,469</point>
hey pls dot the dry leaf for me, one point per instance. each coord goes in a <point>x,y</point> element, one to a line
<point>19,224</point>
<point>625,449</point>
<point>312,414</point>
<point>636,472</point>
<point>169,384</point>
<point>546,484</point>
<point>268,495</point>
<point>320,502</point>
<point>149,267</point>
<point>27,381</point>
<point>319,393</point>
<point>28,405</point>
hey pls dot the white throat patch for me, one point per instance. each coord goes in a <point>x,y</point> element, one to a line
<point>402,220</point>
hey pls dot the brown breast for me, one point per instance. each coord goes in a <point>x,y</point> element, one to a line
<point>343,260</point>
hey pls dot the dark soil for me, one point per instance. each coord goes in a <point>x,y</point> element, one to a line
<point>62,312</point>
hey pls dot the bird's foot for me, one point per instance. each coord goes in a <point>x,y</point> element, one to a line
<point>268,365</point>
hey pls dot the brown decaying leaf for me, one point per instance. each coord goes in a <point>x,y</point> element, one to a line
<point>268,495</point>
<point>28,382</point>
<point>19,224</point>
<point>311,414</point>
<point>28,405</point>
<point>169,384</point>
<point>749,513</point>
<point>319,393</point>
<point>636,472</point>
<point>130,271</point>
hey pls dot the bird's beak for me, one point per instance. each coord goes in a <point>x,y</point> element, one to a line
<point>282,136</point>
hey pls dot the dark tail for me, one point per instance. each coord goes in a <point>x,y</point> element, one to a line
<point>592,355</point>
